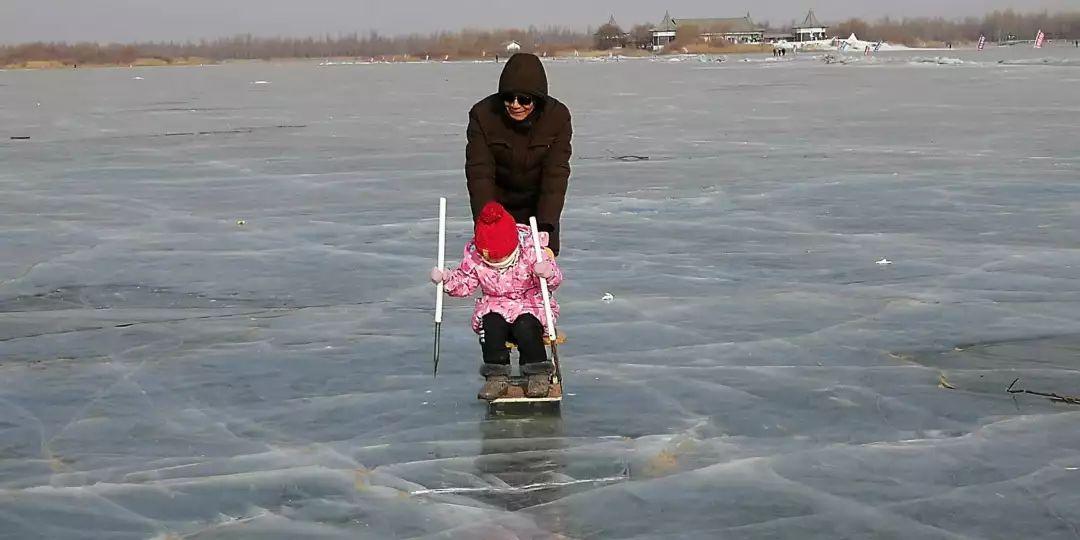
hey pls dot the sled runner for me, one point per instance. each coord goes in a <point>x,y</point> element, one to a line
<point>516,394</point>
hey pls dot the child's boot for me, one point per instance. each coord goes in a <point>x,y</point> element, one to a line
<point>539,374</point>
<point>497,381</point>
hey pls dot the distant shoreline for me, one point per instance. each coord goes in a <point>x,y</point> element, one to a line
<point>53,65</point>
<point>42,65</point>
<point>472,44</point>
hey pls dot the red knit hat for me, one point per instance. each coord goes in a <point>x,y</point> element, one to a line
<point>496,232</point>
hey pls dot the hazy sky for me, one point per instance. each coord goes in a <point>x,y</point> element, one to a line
<point>128,20</point>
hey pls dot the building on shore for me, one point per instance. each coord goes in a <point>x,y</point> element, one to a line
<point>810,30</point>
<point>732,30</point>
<point>779,37</point>
<point>736,30</point>
<point>709,30</point>
<point>663,33</point>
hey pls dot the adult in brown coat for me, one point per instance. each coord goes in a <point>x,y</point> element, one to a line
<point>518,151</point>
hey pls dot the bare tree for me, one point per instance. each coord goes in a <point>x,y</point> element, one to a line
<point>609,36</point>
<point>641,36</point>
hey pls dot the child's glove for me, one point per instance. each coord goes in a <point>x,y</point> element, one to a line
<point>544,269</point>
<point>437,275</point>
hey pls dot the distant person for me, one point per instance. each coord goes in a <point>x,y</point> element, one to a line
<point>518,151</point>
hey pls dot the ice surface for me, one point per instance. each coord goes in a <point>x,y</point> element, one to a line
<point>215,320</point>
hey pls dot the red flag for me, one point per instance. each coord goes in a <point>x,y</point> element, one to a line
<point>1040,38</point>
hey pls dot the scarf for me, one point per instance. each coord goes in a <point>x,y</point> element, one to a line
<point>503,265</point>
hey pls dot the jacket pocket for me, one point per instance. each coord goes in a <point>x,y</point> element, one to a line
<point>501,151</point>
<point>538,150</point>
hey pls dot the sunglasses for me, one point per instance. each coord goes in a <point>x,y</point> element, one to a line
<point>523,99</point>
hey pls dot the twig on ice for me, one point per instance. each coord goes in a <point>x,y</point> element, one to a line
<point>1053,397</point>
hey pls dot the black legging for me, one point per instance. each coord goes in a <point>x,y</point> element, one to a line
<point>526,331</point>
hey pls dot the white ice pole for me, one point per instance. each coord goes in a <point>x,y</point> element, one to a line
<point>442,259</point>
<point>439,286</point>
<point>543,281</point>
<point>547,304</point>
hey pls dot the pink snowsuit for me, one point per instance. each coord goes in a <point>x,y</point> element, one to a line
<point>510,292</point>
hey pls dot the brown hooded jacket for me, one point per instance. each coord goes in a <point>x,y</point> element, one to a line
<point>524,165</point>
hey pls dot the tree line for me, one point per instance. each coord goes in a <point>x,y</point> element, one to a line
<point>998,26</point>
<point>456,45</point>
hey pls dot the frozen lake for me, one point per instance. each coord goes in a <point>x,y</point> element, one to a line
<point>215,320</point>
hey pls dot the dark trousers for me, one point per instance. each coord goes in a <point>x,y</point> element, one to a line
<point>526,331</point>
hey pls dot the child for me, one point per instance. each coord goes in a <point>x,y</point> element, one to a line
<point>502,263</point>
